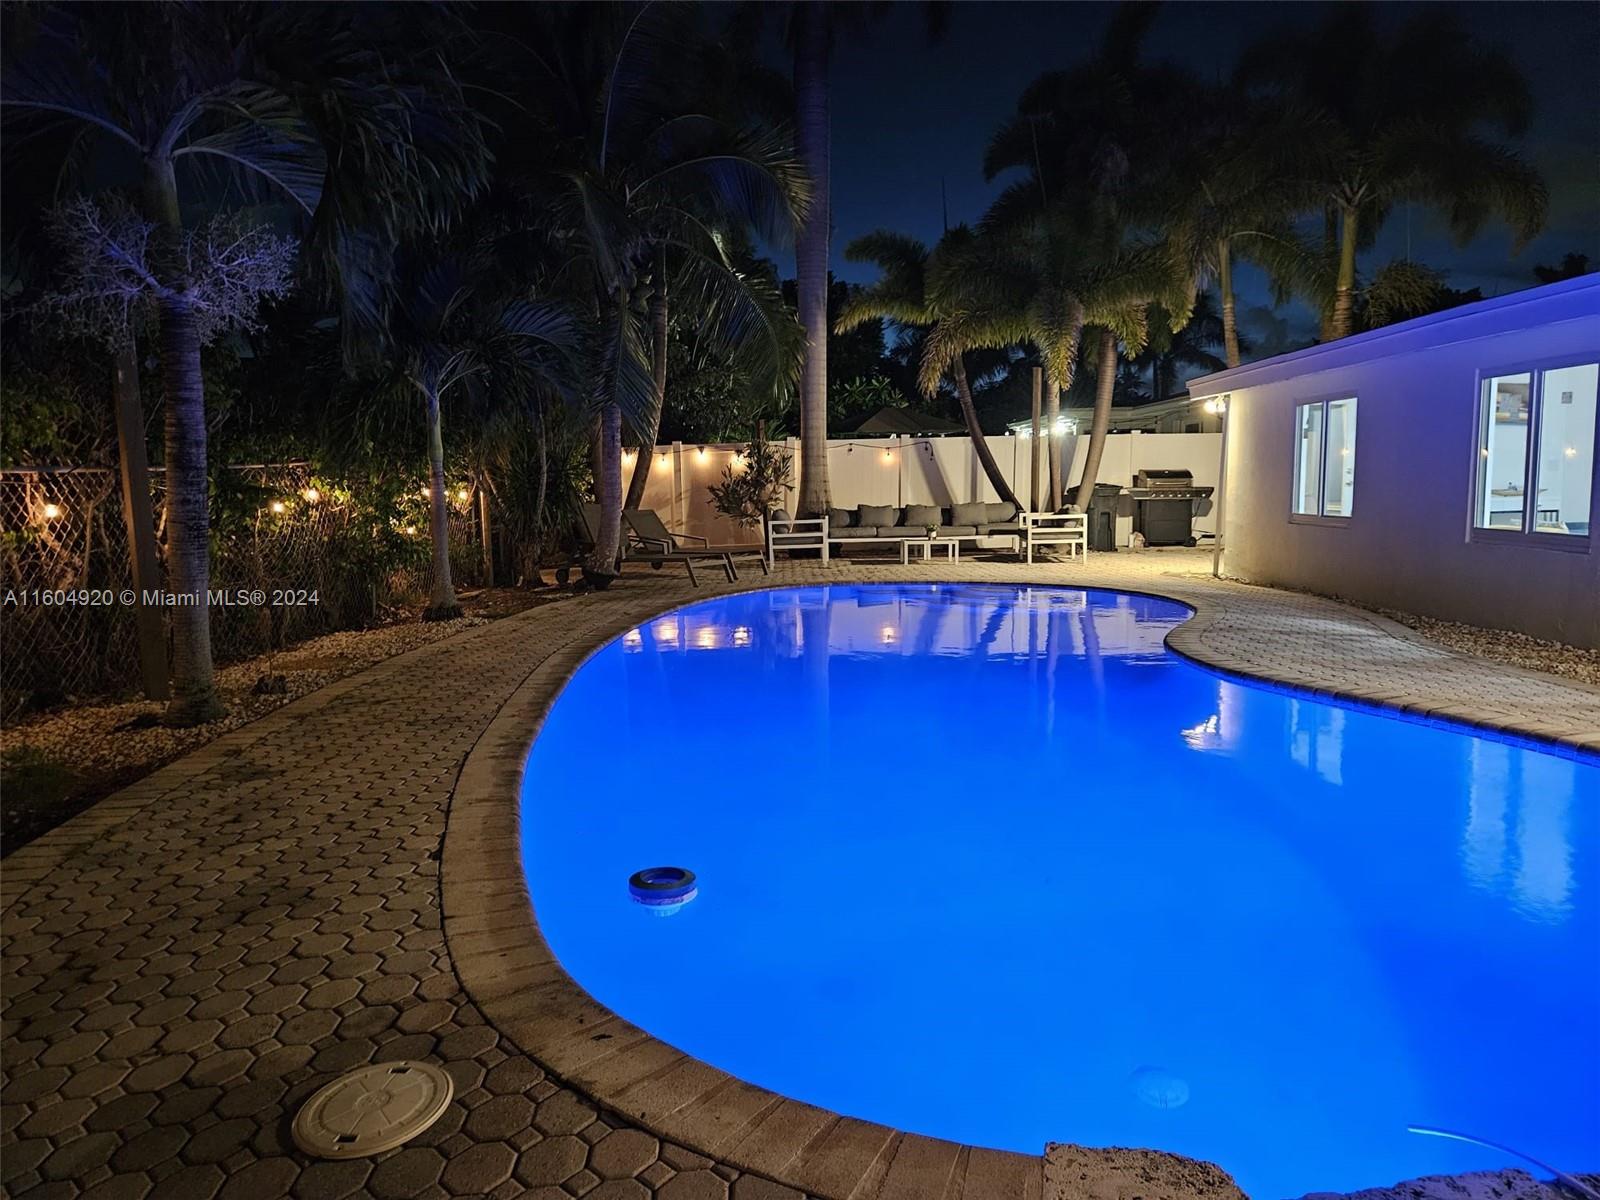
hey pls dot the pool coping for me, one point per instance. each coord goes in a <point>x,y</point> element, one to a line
<point>506,966</point>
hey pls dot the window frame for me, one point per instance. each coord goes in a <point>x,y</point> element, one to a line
<point>1536,369</point>
<point>1336,520</point>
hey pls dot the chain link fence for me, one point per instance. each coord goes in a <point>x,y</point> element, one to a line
<point>275,528</point>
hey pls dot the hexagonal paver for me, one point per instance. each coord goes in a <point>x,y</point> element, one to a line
<point>620,1189</point>
<point>479,1169</point>
<point>563,1113</point>
<point>694,1185</point>
<point>409,1172</point>
<point>552,1161</point>
<point>332,1180</point>
<point>622,1154</point>
<point>499,1117</point>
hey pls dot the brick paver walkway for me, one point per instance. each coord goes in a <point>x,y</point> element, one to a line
<point>186,962</point>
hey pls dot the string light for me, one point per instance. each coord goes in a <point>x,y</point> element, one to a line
<point>663,460</point>
<point>312,495</point>
<point>411,530</point>
<point>888,456</point>
<point>701,454</point>
<point>628,456</point>
<point>1571,452</point>
<point>462,493</point>
<point>277,506</point>
<point>52,511</point>
<point>427,493</point>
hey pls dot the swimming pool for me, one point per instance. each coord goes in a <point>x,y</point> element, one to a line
<point>991,864</point>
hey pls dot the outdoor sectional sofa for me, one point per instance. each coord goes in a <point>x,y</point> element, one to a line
<point>886,523</point>
<point>869,524</point>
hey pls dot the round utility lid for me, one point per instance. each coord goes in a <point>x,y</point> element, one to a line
<point>372,1109</point>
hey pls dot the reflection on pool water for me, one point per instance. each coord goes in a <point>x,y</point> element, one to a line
<point>990,864</point>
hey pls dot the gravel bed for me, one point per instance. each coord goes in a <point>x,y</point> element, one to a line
<point>1515,649</point>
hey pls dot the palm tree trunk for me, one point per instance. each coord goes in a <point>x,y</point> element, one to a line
<point>1344,296</point>
<point>811,250</point>
<point>144,564</point>
<point>608,491</point>
<point>1230,327</point>
<point>969,412</point>
<point>658,371</point>
<point>194,700</point>
<point>1052,437</point>
<point>1104,387</point>
<point>442,604</point>
<point>194,697</point>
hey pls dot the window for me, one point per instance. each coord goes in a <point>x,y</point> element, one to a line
<point>1536,433</point>
<point>1325,458</point>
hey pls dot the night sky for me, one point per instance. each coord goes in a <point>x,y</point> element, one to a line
<point>907,113</point>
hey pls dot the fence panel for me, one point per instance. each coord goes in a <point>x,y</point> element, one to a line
<point>273,528</point>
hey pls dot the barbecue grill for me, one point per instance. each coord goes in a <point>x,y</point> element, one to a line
<point>1163,508</point>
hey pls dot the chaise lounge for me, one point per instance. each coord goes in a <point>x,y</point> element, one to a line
<point>653,535</point>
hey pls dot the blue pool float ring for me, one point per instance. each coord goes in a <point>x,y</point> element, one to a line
<point>662,885</point>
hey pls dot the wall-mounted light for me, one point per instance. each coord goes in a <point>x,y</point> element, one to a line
<point>52,511</point>
<point>1215,406</point>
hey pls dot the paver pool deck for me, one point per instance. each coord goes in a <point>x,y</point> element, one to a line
<point>185,963</point>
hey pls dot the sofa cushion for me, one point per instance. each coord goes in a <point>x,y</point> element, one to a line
<point>1001,512</point>
<point>840,518</point>
<point>969,514</point>
<point>919,516</point>
<point>958,531</point>
<point>852,531</point>
<point>877,515</point>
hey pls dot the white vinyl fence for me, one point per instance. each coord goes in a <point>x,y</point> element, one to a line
<point>922,470</point>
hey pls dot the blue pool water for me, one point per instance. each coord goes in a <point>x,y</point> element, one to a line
<point>990,864</point>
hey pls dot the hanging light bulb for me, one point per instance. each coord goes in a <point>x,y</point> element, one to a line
<point>277,506</point>
<point>312,495</point>
<point>52,511</point>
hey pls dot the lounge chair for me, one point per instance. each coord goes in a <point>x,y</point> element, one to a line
<point>588,523</point>
<point>649,531</point>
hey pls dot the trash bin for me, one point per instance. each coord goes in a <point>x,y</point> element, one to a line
<point>1103,516</point>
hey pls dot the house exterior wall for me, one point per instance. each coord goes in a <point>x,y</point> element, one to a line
<point>1408,543</point>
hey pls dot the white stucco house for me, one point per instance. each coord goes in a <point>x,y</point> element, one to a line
<point>1443,466</point>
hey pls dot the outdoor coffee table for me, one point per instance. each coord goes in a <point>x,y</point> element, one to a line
<point>952,548</point>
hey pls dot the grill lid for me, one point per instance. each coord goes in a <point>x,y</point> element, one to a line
<point>1164,478</point>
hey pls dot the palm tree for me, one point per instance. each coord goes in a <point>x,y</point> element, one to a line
<point>1090,142</point>
<point>1241,177</point>
<point>1168,353</point>
<point>1406,118</point>
<point>917,292</point>
<point>442,335</point>
<point>298,99</point>
<point>812,38</point>
<point>644,182</point>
